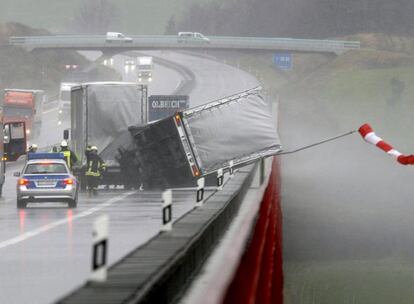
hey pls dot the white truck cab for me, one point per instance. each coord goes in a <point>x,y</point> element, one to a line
<point>117,37</point>
<point>192,37</point>
<point>64,101</point>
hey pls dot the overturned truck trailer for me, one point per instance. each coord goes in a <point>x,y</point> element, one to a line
<point>173,152</point>
<point>101,113</point>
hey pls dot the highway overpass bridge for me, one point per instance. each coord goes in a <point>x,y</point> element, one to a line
<point>145,42</point>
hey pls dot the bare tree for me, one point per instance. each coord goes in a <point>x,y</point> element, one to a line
<point>95,16</point>
<point>171,28</point>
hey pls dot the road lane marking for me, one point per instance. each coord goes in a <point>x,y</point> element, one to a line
<point>50,110</point>
<point>37,231</point>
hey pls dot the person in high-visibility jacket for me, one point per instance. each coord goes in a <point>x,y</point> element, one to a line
<point>95,167</point>
<point>70,156</point>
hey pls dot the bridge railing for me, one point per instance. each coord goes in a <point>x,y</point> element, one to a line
<point>172,41</point>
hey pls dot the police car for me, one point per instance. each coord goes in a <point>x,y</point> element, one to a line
<point>46,178</point>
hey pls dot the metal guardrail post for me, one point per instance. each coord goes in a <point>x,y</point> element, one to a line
<point>262,171</point>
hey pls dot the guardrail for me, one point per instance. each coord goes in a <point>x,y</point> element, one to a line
<point>158,271</point>
<point>171,41</point>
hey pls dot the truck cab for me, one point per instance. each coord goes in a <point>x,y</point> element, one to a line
<point>24,105</point>
<point>64,102</point>
<point>12,146</point>
<point>145,69</point>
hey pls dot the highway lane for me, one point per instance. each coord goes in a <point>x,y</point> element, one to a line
<point>165,79</point>
<point>47,249</point>
<point>212,77</point>
<point>26,235</point>
<point>51,254</point>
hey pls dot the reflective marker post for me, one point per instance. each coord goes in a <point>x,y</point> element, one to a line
<point>100,249</point>
<point>200,192</point>
<point>166,210</point>
<point>220,179</point>
<point>231,170</point>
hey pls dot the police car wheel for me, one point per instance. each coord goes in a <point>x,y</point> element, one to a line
<point>21,204</point>
<point>73,203</point>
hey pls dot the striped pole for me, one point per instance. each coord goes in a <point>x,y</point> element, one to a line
<point>231,169</point>
<point>100,249</point>
<point>220,179</point>
<point>369,136</point>
<point>166,210</point>
<point>200,192</point>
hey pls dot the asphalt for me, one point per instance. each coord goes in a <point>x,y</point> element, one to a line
<point>45,250</point>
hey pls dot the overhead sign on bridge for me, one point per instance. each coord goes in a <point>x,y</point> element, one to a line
<point>283,60</point>
<point>162,106</point>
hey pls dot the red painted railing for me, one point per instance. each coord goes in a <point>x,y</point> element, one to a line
<point>259,277</point>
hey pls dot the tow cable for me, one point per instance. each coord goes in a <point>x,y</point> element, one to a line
<point>318,143</point>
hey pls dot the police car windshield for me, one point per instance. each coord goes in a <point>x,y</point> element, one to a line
<point>45,168</point>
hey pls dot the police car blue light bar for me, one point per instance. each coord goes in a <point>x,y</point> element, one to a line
<point>31,156</point>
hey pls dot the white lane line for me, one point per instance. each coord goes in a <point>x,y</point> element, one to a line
<point>50,110</point>
<point>178,85</point>
<point>37,231</point>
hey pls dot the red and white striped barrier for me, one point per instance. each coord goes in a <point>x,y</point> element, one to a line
<point>369,136</point>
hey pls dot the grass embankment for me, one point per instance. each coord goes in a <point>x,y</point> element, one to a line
<point>352,256</point>
<point>348,282</point>
<point>347,237</point>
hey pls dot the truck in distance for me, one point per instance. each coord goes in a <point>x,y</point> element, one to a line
<point>64,102</point>
<point>129,65</point>
<point>24,105</point>
<point>12,144</point>
<point>145,69</point>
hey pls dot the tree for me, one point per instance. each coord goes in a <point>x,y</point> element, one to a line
<point>171,28</point>
<point>95,16</point>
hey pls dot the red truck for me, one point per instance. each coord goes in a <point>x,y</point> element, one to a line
<point>25,106</point>
<point>12,143</point>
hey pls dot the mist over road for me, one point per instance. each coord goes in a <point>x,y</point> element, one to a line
<point>348,208</point>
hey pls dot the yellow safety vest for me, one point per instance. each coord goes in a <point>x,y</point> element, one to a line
<point>66,154</point>
<point>92,173</point>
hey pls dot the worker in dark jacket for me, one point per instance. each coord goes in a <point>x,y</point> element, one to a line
<point>87,152</point>
<point>33,148</point>
<point>95,167</point>
<point>70,156</point>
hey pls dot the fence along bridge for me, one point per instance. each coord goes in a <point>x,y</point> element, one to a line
<point>146,42</point>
